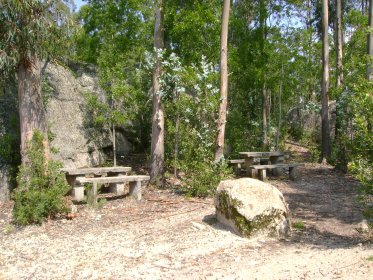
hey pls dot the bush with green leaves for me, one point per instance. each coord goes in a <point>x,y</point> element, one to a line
<point>191,101</point>
<point>361,148</point>
<point>41,187</point>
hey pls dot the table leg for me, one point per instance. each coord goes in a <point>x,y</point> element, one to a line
<point>250,171</point>
<point>92,195</point>
<point>275,160</point>
<point>293,173</point>
<point>77,193</point>
<point>262,174</point>
<point>118,188</point>
<point>135,190</point>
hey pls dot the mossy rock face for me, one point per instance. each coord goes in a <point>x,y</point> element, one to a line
<point>251,207</point>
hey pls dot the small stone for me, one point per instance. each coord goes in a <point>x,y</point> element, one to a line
<point>198,226</point>
<point>74,209</point>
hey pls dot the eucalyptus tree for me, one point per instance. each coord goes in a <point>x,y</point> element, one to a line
<point>158,133</point>
<point>370,41</point>
<point>182,21</point>
<point>325,130</point>
<point>27,31</point>
<point>339,42</point>
<point>219,152</point>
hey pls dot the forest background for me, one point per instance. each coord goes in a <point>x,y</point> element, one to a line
<point>275,65</point>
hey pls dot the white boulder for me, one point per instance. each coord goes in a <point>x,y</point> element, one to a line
<point>251,207</point>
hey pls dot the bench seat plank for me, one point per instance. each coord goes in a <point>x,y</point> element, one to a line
<point>115,179</point>
<point>233,161</point>
<point>278,165</point>
<point>262,169</point>
<point>133,180</point>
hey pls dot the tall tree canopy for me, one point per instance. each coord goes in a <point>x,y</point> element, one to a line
<point>28,29</point>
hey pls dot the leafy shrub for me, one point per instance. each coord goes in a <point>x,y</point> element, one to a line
<point>360,153</point>
<point>203,178</point>
<point>363,171</point>
<point>41,187</point>
<point>191,102</point>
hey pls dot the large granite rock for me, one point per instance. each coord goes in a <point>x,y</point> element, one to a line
<point>78,143</point>
<point>251,207</point>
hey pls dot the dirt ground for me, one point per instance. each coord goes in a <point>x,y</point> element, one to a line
<point>167,236</point>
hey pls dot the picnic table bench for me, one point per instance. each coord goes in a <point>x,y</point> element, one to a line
<point>135,183</point>
<point>257,164</point>
<point>115,177</point>
<point>262,169</point>
<point>239,164</point>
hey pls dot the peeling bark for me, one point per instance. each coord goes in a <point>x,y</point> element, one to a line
<point>157,146</point>
<point>31,107</point>
<point>325,130</point>
<point>219,152</point>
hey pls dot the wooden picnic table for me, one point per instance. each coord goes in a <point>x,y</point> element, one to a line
<point>96,171</point>
<point>276,157</point>
<point>75,175</point>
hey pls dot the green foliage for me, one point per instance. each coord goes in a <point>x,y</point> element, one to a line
<point>299,225</point>
<point>193,28</point>
<point>267,50</point>
<point>203,177</point>
<point>363,171</point>
<point>115,36</point>
<point>33,28</point>
<point>354,146</point>
<point>47,90</point>
<point>9,128</point>
<point>361,148</point>
<point>191,101</point>
<point>41,187</point>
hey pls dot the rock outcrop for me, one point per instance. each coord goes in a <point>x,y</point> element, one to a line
<point>251,207</point>
<point>77,143</point>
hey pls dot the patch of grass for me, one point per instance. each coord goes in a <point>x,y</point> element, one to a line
<point>298,225</point>
<point>370,258</point>
<point>101,203</point>
<point>8,229</point>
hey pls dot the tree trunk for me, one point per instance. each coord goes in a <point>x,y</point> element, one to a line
<point>279,109</point>
<point>219,152</point>
<point>157,146</point>
<point>370,50</point>
<point>114,146</point>
<point>340,112</point>
<point>265,114</point>
<point>31,107</point>
<point>177,137</point>
<point>339,43</point>
<point>264,90</point>
<point>370,41</point>
<point>325,131</point>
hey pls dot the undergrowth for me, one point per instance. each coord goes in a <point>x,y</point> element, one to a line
<point>41,187</point>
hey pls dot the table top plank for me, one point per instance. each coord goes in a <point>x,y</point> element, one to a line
<point>96,170</point>
<point>262,154</point>
<point>116,179</point>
